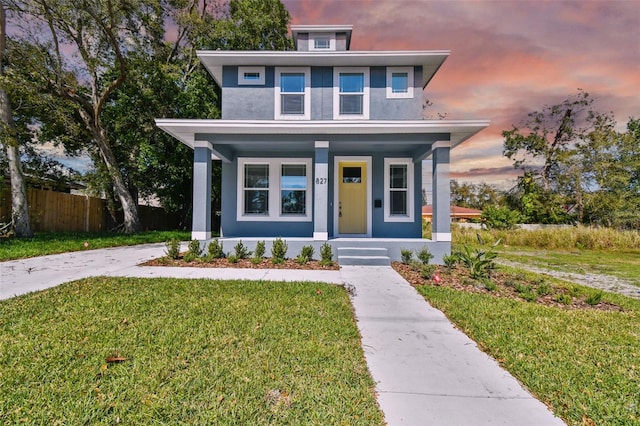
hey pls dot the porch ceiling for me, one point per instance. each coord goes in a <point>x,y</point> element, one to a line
<point>242,136</point>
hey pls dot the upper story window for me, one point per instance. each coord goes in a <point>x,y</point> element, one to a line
<point>322,41</point>
<point>292,101</point>
<point>251,76</point>
<point>351,93</point>
<point>399,82</point>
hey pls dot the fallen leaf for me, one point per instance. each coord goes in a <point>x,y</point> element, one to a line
<point>116,358</point>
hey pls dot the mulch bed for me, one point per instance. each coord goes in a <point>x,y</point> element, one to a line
<point>459,279</point>
<point>241,263</point>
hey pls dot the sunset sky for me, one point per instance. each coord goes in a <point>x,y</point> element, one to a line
<point>508,57</point>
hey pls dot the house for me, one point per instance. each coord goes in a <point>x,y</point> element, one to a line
<point>457,213</point>
<point>323,144</point>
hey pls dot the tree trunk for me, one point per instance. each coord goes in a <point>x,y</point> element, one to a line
<point>129,207</point>
<point>19,206</point>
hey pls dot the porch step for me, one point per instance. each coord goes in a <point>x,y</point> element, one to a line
<point>363,256</point>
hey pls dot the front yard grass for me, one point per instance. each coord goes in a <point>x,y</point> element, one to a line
<point>170,351</point>
<point>584,364</point>
<point>44,243</point>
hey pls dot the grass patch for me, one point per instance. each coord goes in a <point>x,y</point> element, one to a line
<point>583,363</point>
<point>44,243</point>
<point>169,351</point>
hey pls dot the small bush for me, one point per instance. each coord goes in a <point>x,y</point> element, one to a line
<point>326,255</point>
<point>189,257</point>
<point>406,255</point>
<point>415,264</point>
<point>490,285</point>
<point>173,248</point>
<point>495,217</point>
<point>215,249</point>
<point>302,260</point>
<point>575,291</point>
<point>450,260</point>
<point>279,250</point>
<point>543,289</point>
<point>424,256</point>
<point>194,251</point>
<point>260,250</point>
<point>426,271</point>
<point>308,252</point>
<point>232,258</point>
<point>594,298</point>
<point>563,298</point>
<point>256,260</point>
<point>241,251</point>
<point>522,288</point>
<point>529,296</point>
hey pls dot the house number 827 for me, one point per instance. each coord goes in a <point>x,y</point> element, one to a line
<point>321,181</point>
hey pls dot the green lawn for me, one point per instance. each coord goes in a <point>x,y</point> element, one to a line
<point>584,364</point>
<point>60,242</point>
<point>617,263</point>
<point>195,352</point>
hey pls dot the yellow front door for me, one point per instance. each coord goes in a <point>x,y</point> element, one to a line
<point>352,197</point>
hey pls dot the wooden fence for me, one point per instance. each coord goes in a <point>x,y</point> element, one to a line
<point>51,211</point>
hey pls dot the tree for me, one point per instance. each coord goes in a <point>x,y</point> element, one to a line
<point>19,206</point>
<point>475,196</point>
<point>76,45</point>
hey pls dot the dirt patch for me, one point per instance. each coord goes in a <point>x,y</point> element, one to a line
<point>241,263</point>
<point>505,285</point>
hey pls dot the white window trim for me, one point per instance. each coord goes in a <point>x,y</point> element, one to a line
<point>409,93</point>
<point>312,41</point>
<point>307,93</point>
<point>242,81</point>
<point>410,192</point>
<point>336,93</point>
<point>275,205</point>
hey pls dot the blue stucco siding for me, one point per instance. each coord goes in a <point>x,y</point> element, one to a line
<point>247,102</point>
<point>321,93</point>
<point>382,108</point>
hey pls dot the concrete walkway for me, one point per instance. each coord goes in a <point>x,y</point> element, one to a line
<point>426,371</point>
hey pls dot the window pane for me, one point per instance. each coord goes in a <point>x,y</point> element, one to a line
<point>256,202</point>
<point>294,176</point>
<point>251,75</point>
<point>398,176</point>
<point>399,82</point>
<point>398,201</point>
<point>351,104</point>
<point>321,43</point>
<point>292,82</point>
<point>256,176</point>
<point>352,175</point>
<point>292,104</point>
<point>293,202</point>
<point>352,82</point>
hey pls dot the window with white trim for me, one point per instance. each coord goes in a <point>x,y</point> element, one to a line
<point>322,41</point>
<point>398,190</point>
<point>251,76</point>
<point>292,94</point>
<point>274,189</point>
<point>399,82</point>
<point>351,93</point>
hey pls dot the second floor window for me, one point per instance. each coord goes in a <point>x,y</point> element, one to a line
<point>292,94</point>
<point>352,93</point>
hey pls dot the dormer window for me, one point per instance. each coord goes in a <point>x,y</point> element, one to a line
<point>292,100</point>
<point>399,82</point>
<point>322,41</point>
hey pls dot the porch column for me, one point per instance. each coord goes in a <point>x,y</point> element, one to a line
<point>321,191</point>
<point>201,227</point>
<point>441,220</point>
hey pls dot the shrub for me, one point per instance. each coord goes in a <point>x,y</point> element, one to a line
<point>563,298</point>
<point>260,250</point>
<point>215,249</point>
<point>450,260</point>
<point>256,260</point>
<point>480,262</point>
<point>194,251</point>
<point>326,255</point>
<point>173,248</point>
<point>426,271</point>
<point>308,252</point>
<point>495,217</point>
<point>490,285</point>
<point>189,257</point>
<point>406,255</point>
<point>594,298</point>
<point>241,251</point>
<point>279,251</point>
<point>522,288</point>
<point>529,296</point>
<point>232,258</point>
<point>543,289</point>
<point>424,255</point>
<point>302,259</point>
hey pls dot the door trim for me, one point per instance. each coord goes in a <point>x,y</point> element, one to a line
<point>336,193</point>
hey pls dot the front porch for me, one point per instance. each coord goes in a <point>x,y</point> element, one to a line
<point>358,250</point>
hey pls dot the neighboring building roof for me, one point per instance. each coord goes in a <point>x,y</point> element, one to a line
<point>456,212</point>
<point>429,60</point>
